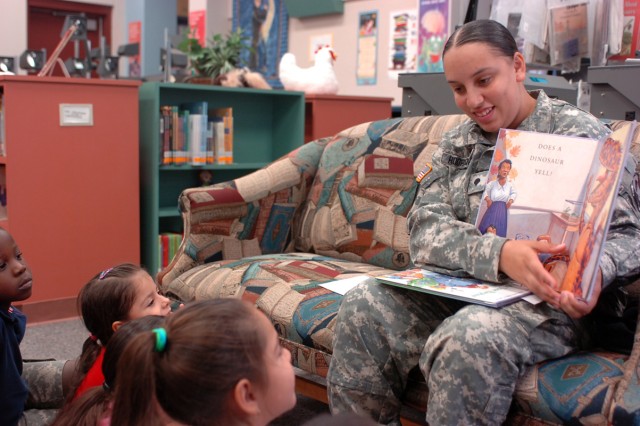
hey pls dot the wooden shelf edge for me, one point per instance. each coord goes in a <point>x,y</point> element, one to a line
<point>233,166</point>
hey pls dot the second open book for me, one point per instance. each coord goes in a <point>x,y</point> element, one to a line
<point>542,187</point>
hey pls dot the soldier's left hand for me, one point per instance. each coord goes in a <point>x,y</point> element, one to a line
<point>576,307</point>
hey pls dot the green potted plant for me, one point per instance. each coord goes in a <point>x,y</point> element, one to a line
<point>220,55</point>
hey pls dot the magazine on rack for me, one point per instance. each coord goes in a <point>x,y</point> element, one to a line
<point>540,186</point>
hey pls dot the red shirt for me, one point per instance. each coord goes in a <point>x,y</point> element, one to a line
<point>94,376</point>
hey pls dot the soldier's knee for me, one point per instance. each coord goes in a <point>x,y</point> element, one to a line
<point>474,326</point>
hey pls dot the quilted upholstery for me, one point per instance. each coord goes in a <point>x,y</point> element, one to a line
<point>316,215</point>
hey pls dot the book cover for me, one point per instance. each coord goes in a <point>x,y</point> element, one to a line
<point>557,188</point>
<point>466,289</point>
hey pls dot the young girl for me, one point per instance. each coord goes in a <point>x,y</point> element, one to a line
<point>114,296</point>
<point>214,362</point>
<point>94,406</point>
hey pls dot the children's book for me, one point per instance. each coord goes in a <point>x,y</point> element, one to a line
<point>557,188</point>
<point>466,289</point>
<point>541,186</point>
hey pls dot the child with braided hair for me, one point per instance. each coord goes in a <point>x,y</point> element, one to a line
<point>111,298</point>
<point>93,407</point>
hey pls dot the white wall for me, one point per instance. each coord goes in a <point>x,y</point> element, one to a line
<point>344,28</point>
<point>13,28</point>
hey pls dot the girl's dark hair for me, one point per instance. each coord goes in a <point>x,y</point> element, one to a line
<point>210,346</point>
<point>485,31</point>
<point>91,406</point>
<point>107,298</point>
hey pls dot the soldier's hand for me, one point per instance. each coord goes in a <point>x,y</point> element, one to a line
<point>519,260</point>
<point>577,308</point>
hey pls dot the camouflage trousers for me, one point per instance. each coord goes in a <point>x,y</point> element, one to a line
<point>44,380</point>
<point>470,355</point>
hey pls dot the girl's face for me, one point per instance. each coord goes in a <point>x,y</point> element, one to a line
<point>487,86</point>
<point>15,275</point>
<point>148,300</point>
<point>278,395</point>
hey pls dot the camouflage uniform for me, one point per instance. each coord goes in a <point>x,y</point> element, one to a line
<point>44,380</point>
<point>471,355</point>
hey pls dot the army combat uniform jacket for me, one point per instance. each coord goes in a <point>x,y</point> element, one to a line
<point>441,222</point>
<point>470,355</point>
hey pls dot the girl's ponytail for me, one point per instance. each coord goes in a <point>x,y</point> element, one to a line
<point>135,388</point>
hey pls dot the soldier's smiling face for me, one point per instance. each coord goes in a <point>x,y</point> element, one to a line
<point>487,86</point>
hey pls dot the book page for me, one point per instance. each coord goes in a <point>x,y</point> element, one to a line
<point>467,289</point>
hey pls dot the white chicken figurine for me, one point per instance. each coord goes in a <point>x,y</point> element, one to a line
<point>319,79</point>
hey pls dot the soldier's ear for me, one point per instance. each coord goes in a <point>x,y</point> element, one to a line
<point>520,67</point>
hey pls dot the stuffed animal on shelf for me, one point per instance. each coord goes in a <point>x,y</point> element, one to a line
<point>242,77</point>
<point>319,79</point>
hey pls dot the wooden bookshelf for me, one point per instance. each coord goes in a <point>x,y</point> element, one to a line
<point>266,125</point>
<point>72,190</point>
<point>326,115</point>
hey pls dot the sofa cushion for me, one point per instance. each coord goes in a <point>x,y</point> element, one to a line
<point>284,286</point>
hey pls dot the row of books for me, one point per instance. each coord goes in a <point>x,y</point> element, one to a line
<point>192,133</point>
<point>168,242</point>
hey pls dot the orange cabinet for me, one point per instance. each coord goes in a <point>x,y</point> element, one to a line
<point>326,115</point>
<point>72,182</point>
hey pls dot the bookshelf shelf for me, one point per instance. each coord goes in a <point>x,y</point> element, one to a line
<point>266,125</point>
<point>233,166</point>
<point>72,191</point>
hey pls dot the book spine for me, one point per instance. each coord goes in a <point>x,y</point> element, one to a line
<point>196,136</point>
<point>211,132</point>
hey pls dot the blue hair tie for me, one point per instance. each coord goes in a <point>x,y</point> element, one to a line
<point>161,339</point>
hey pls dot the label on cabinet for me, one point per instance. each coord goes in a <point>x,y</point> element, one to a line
<point>76,114</point>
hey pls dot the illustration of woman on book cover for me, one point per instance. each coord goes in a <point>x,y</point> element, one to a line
<point>499,196</point>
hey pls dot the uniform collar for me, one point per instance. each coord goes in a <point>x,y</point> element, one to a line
<point>541,119</point>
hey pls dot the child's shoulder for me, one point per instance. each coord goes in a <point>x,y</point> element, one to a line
<point>13,321</point>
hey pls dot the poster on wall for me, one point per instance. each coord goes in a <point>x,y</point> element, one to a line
<point>403,42</point>
<point>630,31</point>
<point>265,24</point>
<point>367,48</point>
<point>135,31</point>
<point>197,26</point>
<point>433,34</point>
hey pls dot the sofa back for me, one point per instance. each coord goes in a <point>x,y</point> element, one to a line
<point>345,197</point>
<point>363,189</point>
<point>365,185</point>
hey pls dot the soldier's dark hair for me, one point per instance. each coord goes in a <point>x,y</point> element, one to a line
<point>485,31</point>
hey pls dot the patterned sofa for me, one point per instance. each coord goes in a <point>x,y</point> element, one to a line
<point>319,214</point>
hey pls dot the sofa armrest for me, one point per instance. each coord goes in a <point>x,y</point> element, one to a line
<point>229,220</point>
